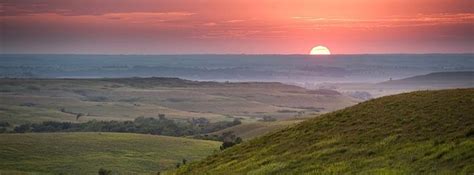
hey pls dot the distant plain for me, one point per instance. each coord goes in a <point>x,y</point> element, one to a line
<point>36,100</point>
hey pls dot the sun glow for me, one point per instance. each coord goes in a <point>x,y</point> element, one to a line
<point>320,50</point>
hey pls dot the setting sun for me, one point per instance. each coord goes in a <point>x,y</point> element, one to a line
<point>320,50</point>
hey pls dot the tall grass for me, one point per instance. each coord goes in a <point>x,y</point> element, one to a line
<point>412,133</point>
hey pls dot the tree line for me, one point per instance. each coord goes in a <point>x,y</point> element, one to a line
<point>143,125</point>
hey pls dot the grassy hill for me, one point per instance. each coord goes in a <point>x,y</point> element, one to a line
<point>38,100</point>
<point>254,129</point>
<point>86,153</point>
<point>419,132</point>
<point>436,79</point>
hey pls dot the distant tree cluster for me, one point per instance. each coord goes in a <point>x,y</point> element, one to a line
<point>103,171</point>
<point>228,139</point>
<point>158,126</point>
<point>4,126</point>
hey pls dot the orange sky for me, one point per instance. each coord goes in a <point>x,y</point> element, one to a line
<point>236,26</point>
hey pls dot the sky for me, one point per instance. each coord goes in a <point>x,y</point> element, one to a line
<point>236,26</point>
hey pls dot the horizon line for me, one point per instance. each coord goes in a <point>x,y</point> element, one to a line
<point>250,54</point>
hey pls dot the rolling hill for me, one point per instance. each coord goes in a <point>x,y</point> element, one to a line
<point>86,153</point>
<point>435,80</point>
<point>38,100</point>
<point>430,81</point>
<point>254,129</point>
<point>411,133</point>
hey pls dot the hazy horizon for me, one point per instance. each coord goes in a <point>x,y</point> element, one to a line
<point>301,69</point>
<point>250,54</point>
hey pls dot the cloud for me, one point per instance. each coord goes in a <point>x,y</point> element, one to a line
<point>228,34</point>
<point>129,17</point>
<point>391,21</point>
<point>144,17</point>
<point>209,24</point>
<point>84,7</point>
<point>235,21</point>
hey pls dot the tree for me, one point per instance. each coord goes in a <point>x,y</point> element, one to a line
<point>103,171</point>
<point>238,140</point>
<point>79,115</point>
<point>4,124</point>
<point>229,139</point>
<point>236,122</point>
<point>200,121</point>
<point>184,161</point>
<point>226,144</point>
<point>22,128</point>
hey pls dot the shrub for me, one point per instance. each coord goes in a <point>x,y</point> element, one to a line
<point>226,145</point>
<point>4,124</point>
<point>103,171</point>
<point>22,128</point>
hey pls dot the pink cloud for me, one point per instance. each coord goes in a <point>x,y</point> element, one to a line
<point>391,21</point>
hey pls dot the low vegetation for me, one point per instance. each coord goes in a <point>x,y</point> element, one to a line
<point>413,133</point>
<point>93,153</point>
<point>160,126</point>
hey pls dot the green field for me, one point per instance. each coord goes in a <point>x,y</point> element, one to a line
<point>413,133</point>
<point>86,153</point>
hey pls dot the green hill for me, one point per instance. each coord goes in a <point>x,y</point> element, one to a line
<point>254,129</point>
<point>419,132</point>
<point>86,153</point>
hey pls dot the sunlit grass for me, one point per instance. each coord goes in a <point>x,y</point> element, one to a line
<point>420,132</point>
<point>86,153</point>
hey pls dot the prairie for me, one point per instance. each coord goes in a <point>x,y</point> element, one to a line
<point>37,100</point>
<point>86,153</point>
<point>412,133</point>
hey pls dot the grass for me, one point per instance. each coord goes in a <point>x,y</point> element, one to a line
<point>129,98</point>
<point>413,133</point>
<point>254,129</point>
<point>86,153</point>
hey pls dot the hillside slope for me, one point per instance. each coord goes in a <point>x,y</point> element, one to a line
<point>86,153</point>
<point>419,132</point>
<point>436,79</point>
<point>251,130</point>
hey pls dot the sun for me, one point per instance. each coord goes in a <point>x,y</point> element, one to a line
<point>320,50</point>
